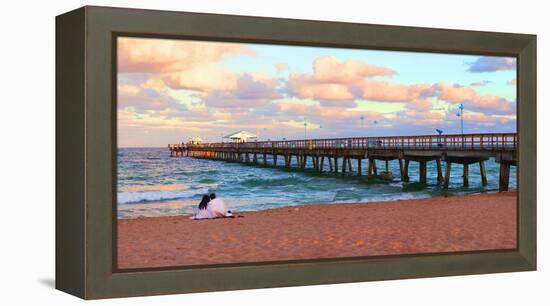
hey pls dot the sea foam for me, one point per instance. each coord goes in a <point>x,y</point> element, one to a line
<point>126,197</point>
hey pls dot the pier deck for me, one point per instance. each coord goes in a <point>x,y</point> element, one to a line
<point>465,149</point>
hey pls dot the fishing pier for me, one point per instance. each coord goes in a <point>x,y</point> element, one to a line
<point>340,154</point>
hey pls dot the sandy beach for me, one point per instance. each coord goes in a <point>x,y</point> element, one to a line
<point>439,224</point>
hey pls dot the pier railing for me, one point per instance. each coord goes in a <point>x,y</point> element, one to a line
<point>463,142</point>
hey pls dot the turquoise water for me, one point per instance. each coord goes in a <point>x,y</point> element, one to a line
<point>151,183</point>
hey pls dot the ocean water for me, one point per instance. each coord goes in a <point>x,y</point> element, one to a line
<point>151,183</point>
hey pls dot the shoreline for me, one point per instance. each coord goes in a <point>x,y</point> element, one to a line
<point>170,202</point>
<point>482,221</point>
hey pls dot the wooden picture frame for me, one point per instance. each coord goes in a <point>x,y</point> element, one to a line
<point>86,151</point>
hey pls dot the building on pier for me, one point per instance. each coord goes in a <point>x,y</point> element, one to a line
<point>241,136</point>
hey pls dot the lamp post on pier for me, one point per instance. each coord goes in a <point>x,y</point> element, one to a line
<point>460,114</point>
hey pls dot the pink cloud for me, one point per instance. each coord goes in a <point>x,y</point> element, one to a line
<point>306,87</point>
<point>392,92</point>
<point>472,100</point>
<point>486,120</point>
<point>168,55</point>
<point>338,80</point>
<point>330,69</point>
<point>204,78</point>
<point>180,64</point>
<point>454,93</point>
<point>420,104</point>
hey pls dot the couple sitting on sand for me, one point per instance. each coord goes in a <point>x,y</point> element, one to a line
<point>210,208</point>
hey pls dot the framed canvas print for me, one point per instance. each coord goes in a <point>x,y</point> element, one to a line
<point>200,152</point>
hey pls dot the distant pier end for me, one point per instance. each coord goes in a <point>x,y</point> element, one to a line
<point>465,149</point>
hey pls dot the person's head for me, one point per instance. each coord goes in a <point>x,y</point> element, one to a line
<point>212,196</point>
<point>204,202</point>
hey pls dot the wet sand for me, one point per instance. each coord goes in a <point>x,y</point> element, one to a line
<point>440,224</point>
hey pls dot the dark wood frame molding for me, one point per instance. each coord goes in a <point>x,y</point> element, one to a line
<point>86,151</point>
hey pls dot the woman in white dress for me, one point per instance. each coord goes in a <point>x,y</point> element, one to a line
<point>203,212</point>
<point>217,208</point>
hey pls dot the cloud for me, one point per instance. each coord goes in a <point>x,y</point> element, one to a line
<point>204,78</point>
<point>143,99</point>
<point>250,92</point>
<point>329,69</point>
<point>305,86</point>
<point>420,104</point>
<point>316,112</point>
<point>492,64</point>
<point>156,74</point>
<point>422,118</point>
<point>338,80</point>
<point>392,92</point>
<point>472,100</point>
<point>170,55</point>
<point>334,79</point>
<point>180,64</point>
<point>455,93</point>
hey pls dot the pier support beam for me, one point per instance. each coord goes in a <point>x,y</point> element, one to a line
<point>265,159</point>
<point>466,161</point>
<point>335,164</point>
<point>483,173</point>
<point>504,177</point>
<point>330,164</point>
<point>439,174</point>
<point>359,170</point>
<point>465,174</point>
<point>344,165</point>
<point>423,174</point>
<point>447,174</point>
<point>322,164</point>
<point>372,167</point>
<point>506,160</point>
<point>406,171</point>
<point>422,158</point>
<point>350,168</point>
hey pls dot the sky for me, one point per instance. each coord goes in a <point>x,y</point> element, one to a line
<point>172,90</point>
